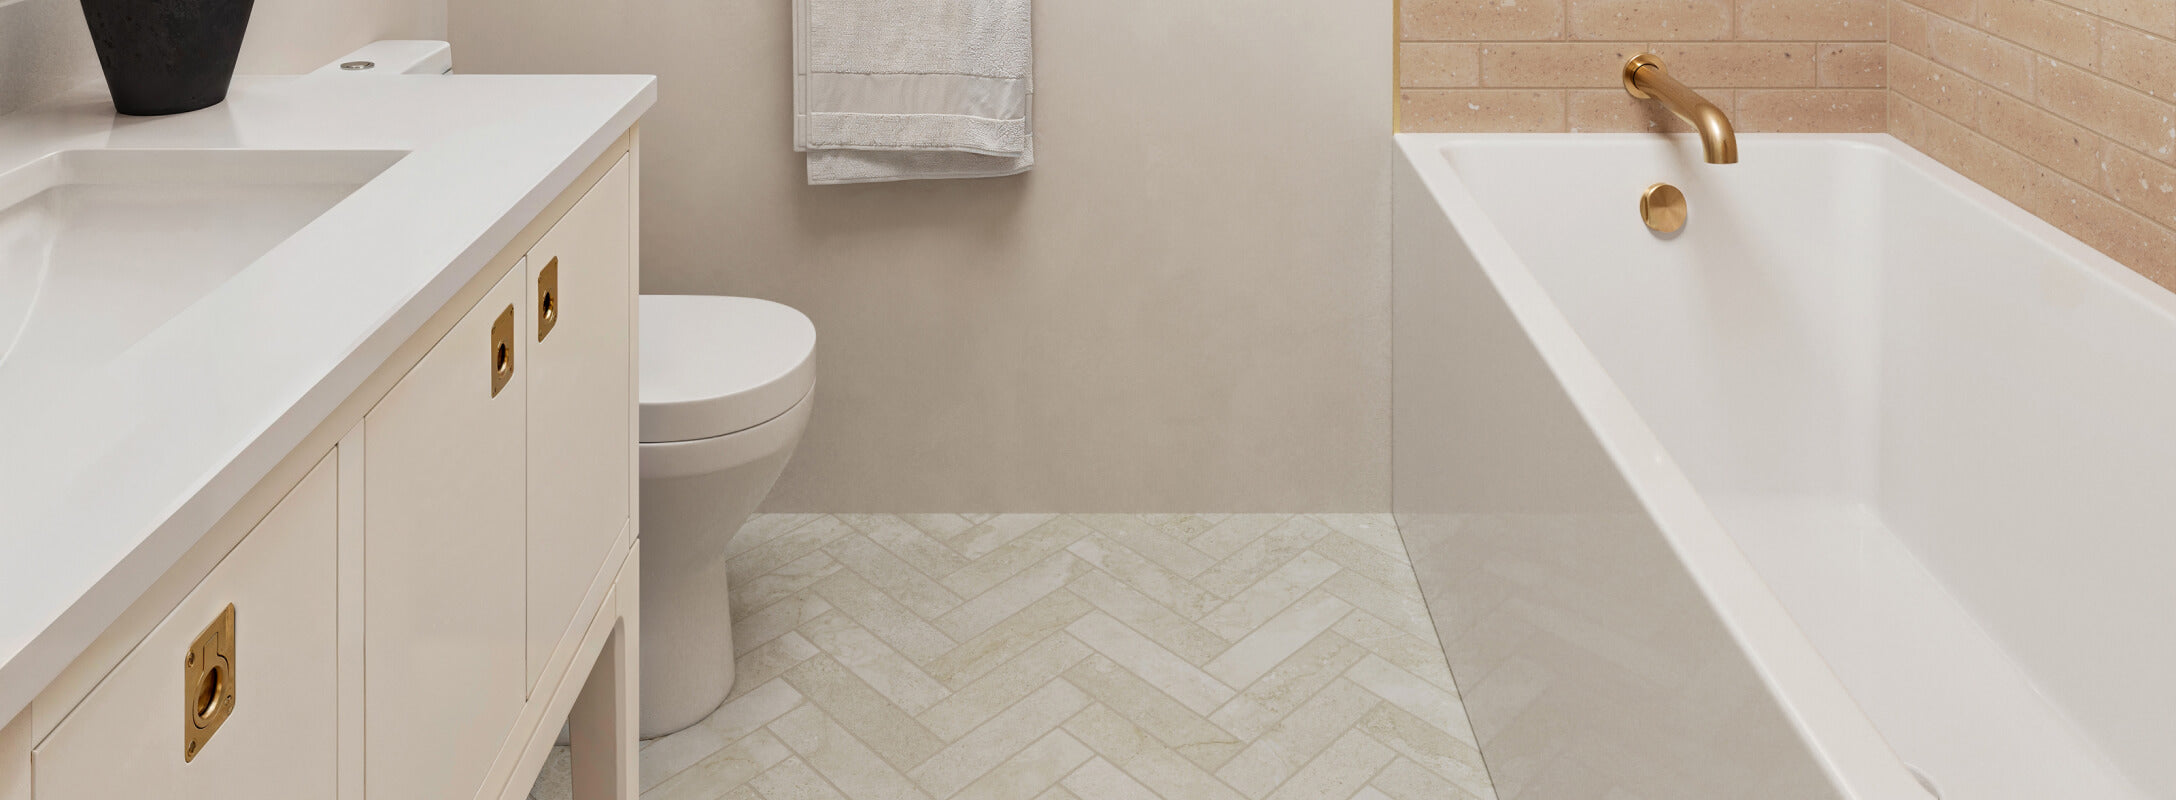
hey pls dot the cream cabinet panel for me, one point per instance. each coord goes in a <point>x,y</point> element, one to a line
<point>279,739</point>
<point>443,503</point>
<point>581,383</point>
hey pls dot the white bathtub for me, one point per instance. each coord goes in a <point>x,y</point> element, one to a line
<point>1865,468</point>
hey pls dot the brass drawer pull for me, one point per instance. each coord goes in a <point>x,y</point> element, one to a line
<point>547,298</point>
<point>502,350</point>
<point>207,685</point>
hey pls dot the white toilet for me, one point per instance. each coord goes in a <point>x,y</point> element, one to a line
<point>726,388</point>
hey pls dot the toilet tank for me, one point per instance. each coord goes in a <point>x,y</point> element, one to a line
<point>396,57</point>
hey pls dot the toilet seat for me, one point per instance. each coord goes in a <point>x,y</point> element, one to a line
<point>666,460</point>
<point>713,366</point>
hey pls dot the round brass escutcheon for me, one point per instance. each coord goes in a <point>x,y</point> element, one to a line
<point>210,690</point>
<point>504,360</point>
<point>551,308</point>
<point>1633,66</point>
<point>1662,207</point>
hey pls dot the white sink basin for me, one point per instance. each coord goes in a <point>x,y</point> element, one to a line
<point>100,247</point>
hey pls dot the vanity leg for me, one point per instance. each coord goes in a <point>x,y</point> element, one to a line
<point>606,717</point>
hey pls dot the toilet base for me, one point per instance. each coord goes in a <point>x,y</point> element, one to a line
<point>687,616</point>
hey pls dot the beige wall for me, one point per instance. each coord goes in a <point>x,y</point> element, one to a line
<point>1553,65</point>
<point>45,48</point>
<point>1184,307</point>
<point>2067,111</point>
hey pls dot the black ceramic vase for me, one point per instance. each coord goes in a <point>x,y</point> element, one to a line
<point>167,56</point>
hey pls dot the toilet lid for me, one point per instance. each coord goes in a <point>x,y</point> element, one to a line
<point>718,365</point>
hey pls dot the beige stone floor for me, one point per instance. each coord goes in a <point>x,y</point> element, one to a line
<point>1051,657</point>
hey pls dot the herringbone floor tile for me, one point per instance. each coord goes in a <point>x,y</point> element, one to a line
<point>1043,656</point>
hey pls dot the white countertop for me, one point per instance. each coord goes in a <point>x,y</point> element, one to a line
<point>110,471</point>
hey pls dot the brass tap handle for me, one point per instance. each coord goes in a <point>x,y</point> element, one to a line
<point>1647,79</point>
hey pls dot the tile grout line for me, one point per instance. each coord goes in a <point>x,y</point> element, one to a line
<point>864,575</point>
<point>992,720</point>
<point>797,754</point>
<point>936,579</point>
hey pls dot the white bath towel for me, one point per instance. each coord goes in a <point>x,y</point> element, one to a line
<point>888,90</point>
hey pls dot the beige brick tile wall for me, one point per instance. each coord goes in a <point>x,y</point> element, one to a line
<point>2066,107</point>
<point>1547,65</point>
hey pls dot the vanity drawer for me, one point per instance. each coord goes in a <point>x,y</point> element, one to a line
<point>274,676</point>
<point>581,387</point>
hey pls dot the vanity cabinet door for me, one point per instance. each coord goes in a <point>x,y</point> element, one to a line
<point>443,504</point>
<point>276,682</point>
<point>581,396</point>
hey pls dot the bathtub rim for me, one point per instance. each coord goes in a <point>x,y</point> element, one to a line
<point>2134,285</point>
<point>1856,758</point>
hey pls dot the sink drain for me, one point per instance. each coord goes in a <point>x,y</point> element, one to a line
<point>1924,781</point>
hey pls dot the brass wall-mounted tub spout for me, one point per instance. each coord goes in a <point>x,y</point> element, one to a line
<point>1647,79</point>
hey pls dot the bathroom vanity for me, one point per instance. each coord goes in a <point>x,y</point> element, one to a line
<point>317,430</point>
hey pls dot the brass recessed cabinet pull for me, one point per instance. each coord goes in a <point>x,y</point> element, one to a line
<point>207,684</point>
<point>547,298</point>
<point>502,350</point>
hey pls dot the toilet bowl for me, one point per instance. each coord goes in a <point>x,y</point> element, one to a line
<point>726,386</point>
